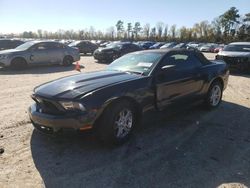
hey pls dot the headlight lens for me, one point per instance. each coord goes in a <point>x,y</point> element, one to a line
<point>69,105</point>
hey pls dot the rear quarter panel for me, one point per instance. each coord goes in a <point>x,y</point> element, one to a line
<point>217,69</point>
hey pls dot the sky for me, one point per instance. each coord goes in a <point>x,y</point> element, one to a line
<point>30,15</point>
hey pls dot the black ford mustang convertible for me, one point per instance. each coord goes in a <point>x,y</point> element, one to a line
<point>112,100</point>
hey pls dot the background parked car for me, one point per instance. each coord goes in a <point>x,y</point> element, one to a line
<point>219,48</point>
<point>157,45</point>
<point>37,53</point>
<point>146,44</point>
<point>84,46</point>
<point>9,43</point>
<point>208,47</point>
<point>169,45</point>
<point>181,45</point>
<point>236,55</point>
<point>114,50</point>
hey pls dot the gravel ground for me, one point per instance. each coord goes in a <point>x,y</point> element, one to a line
<point>188,147</point>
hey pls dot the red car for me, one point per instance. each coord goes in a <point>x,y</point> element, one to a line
<point>218,48</point>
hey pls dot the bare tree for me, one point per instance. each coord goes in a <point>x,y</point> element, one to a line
<point>146,30</point>
<point>137,28</point>
<point>173,31</point>
<point>165,34</point>
<point>159,26</point>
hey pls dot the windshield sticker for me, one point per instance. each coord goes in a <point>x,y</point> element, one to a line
<point>144,64</point>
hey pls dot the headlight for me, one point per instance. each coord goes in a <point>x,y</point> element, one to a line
<point>69,105</point>
<point>4,56</point>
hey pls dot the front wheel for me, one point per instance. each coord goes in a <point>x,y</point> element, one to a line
<point>18,64</point>
<point>214,95</point>
<point>67,61</point>
<point>117,123</point>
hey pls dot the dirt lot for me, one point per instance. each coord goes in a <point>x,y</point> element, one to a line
<point>191,147</point>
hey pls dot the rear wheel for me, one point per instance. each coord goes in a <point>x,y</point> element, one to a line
<point>67,61</point>
<point>18,64</point>
<point>214,95</point>
<point>117,122</point>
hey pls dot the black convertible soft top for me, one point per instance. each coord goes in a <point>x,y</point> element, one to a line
<point>196,53</point>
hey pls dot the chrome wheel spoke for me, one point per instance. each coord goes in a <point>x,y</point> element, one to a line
<point>119,131</point>
<point>124,123</point>
<point>215,95</point>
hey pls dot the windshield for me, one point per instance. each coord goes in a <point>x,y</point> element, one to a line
<point>137,62</point>
<point>237,48</point>
<point>25,46</point>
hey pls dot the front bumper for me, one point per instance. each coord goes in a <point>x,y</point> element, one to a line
<point>103,56</point>
<point>237,63</point>
<point>53,123</point>
<point>4,62</point>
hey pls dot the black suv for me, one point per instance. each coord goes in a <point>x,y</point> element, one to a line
<point>9,43</point>
<point>115,50</point>
<point>84,46</point>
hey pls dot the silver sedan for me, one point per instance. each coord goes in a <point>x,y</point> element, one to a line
<point>39,53</point>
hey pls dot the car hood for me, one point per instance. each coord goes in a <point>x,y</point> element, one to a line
<point>8,51</point>
<point>78,85</point>
<point>234,54</point>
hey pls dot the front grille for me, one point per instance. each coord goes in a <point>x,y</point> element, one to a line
<point>233,60</point>
<point>47,106</point>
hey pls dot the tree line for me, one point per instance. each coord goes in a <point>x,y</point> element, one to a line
<point>228,27</point>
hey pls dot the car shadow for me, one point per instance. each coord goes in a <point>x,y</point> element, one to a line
<point>39,70</point>
<point>103,62</point>
<point>86,55</point>
<point>178,148</point>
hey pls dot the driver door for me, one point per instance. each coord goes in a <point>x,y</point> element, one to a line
<point>177,78</point>
<point>39,54</point>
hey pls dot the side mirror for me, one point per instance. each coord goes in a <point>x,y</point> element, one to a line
<point>167,67</point>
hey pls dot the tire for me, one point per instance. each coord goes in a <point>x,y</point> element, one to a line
<point>18,64</point>
<point>117,123</point>
<point>67,61</point>
<point>214,95</point>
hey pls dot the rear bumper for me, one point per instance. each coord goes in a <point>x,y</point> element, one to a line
<point>52,123</point>
<point>77,58</point>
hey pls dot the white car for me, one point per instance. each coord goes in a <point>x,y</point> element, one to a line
<point>236,55</point>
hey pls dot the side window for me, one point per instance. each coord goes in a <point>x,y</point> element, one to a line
<point>54,45</point>
<point>41,46</point>
<point>181,61</point>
